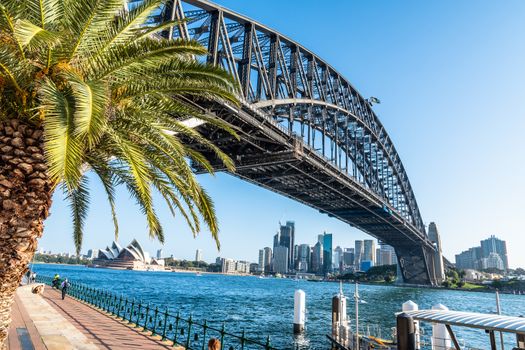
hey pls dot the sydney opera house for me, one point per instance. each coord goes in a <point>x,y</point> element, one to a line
<point>132,257</point>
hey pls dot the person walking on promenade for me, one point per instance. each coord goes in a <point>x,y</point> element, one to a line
<point>56,281</point>
<point>65,287</point>
<point>214,344</point>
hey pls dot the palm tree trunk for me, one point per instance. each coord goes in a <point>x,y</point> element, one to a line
<point>25,198</point>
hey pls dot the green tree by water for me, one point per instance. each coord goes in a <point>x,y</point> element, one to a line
<point>87,87</point>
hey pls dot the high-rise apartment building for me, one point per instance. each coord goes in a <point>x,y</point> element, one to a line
<point>159,253</point>
<point>378,261</point>
<point>495,245</point>
<point>267,259</point>
<point>280,259</point>
<point>491,254</point>
<point>358,254</point>
<point>348,258</point>
<point>369,250</point>
<point>198,255</point>
<point>388,254</point>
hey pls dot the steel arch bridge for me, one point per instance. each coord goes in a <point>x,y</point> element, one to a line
<point>306,132</point>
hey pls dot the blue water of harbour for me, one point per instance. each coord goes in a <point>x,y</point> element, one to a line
<point>264,307</point>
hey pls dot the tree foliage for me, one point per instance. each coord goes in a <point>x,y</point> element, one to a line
<point>111,96</point>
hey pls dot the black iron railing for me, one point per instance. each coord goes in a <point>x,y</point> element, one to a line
<point>187,332</point>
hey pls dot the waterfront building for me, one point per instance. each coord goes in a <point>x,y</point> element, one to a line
<point>132,257</point>
<point>327,253</point>
<point>338,259</point>
<point>348,258</point>
<point>92,253</point>
<point>358,255</point>
<point>369,250</point>
<point>484,256</point>
<point>388,254</point>
<point>198,255</point>
<point>242,267</point>
<point>303,258</point>
<point>280,259</point>
<point>439,267</point>
<point>228,266</point>
<point>469,259</point>
<point>265,259</point>
<point>495,245</point>
<point>378,257</point>
<point>317,258</point>
<point>159,253</point>
<point>254,268</point>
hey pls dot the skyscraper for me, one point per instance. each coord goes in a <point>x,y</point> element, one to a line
<point>388,254</point>
<point>287,239</point>
<point>303,258</point>
<point>348,257</point>
<point>495,245</point>
<point>338,259</point>
<point>378,261</point>
<point>198,255</point>
<point>317,258</point>
<point>280,259</point>
<point>358,254</point>
<point>327,253</point>
<point>369,250</point>
<point>159,253</point>
<point>265,259</point>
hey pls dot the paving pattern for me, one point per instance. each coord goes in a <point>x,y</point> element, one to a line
<point>103,330</point>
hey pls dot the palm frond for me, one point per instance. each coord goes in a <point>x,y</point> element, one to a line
<point>79,204</point>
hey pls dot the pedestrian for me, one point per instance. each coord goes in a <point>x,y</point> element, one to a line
<point>56,281</point>
<point>214,344</point>
<point>65,287</point>
<point>33,277</point>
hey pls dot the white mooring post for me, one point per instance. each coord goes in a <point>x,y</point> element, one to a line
<point>440,336</point>
<point>299,308</point>
<point>411,306</point>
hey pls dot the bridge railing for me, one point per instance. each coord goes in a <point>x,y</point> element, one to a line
<point>187,332</point>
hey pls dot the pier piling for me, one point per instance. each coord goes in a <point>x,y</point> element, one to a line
<point>299,317</point>
<point>406,334</point>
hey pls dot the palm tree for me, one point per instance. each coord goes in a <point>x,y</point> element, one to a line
<point>89,87</point>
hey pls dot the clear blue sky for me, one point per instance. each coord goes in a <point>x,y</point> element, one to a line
<point>451,78</point>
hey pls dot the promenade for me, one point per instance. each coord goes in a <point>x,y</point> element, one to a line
<point>47,322</point>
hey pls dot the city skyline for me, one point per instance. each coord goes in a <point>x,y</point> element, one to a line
<point>446,175</point>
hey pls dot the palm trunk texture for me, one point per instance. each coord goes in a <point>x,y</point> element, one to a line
<point>25,198</point>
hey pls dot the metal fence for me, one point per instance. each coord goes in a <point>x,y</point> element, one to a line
<point>186,332</point>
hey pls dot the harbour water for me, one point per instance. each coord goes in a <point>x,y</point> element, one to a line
<point>265,306</point>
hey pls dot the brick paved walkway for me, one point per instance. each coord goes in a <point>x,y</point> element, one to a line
<point>20,320</point>
<point>101,329</point>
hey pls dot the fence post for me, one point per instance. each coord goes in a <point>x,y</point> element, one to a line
<point>204,335</point>
<point>177,318</point>
<point>146,318</point>
<point>154,331</point>
<point>242,339</point>
<point>165,324</point>
<point>223,330</point>
<point>190,321</point>
<point>137,324</point>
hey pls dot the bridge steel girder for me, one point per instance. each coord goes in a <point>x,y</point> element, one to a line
<point>292,103</point>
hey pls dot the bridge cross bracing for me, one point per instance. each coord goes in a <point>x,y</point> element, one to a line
<point>306,132</point>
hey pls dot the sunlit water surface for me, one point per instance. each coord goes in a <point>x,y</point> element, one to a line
<point>265,306</point>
